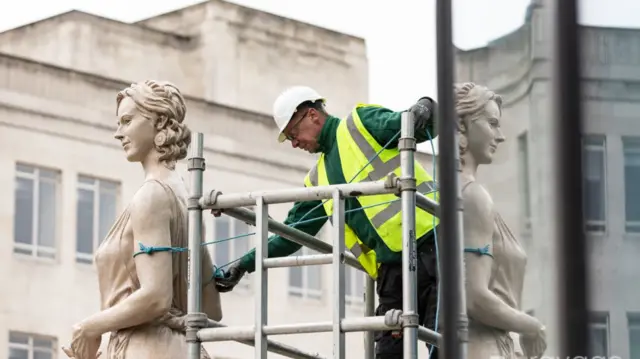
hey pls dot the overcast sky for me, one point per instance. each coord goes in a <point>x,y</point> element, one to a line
<point>400,34</point>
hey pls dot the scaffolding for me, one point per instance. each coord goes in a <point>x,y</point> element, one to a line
<point>201,329</point>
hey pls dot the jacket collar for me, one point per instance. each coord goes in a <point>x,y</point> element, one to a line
<point>328,134</point>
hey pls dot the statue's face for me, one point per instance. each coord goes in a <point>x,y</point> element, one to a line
<point>135,132</point>
<point>484,134</point>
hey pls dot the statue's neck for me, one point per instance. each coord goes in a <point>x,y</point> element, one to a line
<point>469,165</point>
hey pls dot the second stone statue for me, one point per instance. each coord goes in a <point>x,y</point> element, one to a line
<point>495,262</point>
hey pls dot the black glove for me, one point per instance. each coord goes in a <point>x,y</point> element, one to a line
<point>424,115</point>
<point>231,278</point>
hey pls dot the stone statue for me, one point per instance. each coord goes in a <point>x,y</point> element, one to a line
<point>494,259</point>
<point>144,293</point>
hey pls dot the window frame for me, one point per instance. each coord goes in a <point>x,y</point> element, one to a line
<point>633,324</point>
<point>31,349</point>
<point>600,321</point>
<point>630,145</point>
<point>36,176</point>
<point>526,209</point>
<point>595,226</point>
<point>97,191</point>
<point>304,291</point>
<point>357,297</point>
<point>245,283</point>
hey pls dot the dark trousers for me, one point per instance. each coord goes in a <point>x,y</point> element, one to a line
<point>389,289</point>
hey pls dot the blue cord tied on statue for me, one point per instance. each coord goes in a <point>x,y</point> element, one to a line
<point>484,251</point>
<point>150,250</point>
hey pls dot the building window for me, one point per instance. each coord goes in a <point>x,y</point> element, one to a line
<point>95,214</point>
<point>234,242</point>
<point>631,150</point>
<point>354,286</point>
<point>599,335</point>
<point>633,320</point>
<point>523,167</point>
<point>35,219</point>
<point>594,183</point>
<point>305,281</point>
<point>31,346</point>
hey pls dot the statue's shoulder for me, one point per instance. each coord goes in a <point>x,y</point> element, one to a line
<point>477,199</point>
<point>152,197</point>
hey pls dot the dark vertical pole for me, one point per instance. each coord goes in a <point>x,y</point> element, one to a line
<point>572,269</point>
<point>451,274</point>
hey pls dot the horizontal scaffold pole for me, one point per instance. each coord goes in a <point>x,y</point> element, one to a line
<point>347,325</point>
<point>272,346</point>
<point>217,200</point>
<point>298,261</point>
<point>292,234</point>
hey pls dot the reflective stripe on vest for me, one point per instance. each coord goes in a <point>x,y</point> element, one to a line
<point>365,256</point>
<point>363,158</point>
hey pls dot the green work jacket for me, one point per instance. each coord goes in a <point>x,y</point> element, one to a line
<point>384,125</point>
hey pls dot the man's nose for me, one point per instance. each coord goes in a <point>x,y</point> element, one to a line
<point>295,143</point>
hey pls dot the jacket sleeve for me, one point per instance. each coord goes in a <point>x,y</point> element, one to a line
<point>384,125</point>
<point>314,218</point>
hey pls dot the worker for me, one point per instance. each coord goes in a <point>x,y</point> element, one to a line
<point>374,234</point>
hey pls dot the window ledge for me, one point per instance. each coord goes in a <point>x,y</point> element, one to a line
<point>33,259</point>
<point>306,300</point>
<point>87,267</point>
<point>596,235</point>
<point>631,236</point>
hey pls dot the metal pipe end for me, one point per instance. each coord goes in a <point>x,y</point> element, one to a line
<point>391,181</point>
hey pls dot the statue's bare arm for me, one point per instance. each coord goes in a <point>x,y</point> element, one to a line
<point>211,302</point>
<point>150,223</point>
<point>482,304</point>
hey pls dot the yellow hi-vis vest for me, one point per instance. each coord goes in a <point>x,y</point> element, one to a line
<point>356,148</point>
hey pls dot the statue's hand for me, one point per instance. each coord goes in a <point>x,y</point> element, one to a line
<point>534,345</point>
<point>82,346</point>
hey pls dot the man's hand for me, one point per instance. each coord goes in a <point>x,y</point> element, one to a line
<point>231,278</point>
<point>423,114</point>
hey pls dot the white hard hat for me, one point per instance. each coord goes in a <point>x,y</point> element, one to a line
<point>285,105</point>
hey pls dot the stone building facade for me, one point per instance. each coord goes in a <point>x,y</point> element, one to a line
<point>64,178</point>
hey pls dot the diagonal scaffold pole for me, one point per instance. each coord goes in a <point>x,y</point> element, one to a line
<point>272,346</point>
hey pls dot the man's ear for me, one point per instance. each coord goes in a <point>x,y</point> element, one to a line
<point>317,116</point>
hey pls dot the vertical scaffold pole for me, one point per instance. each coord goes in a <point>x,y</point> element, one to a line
<point>573,261</point>
<point>261,307</point>
<point>407,147</point>
<point>196,167</point>
<point>454,308</point>
<point>338,276</point>
<point>369,311</point>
